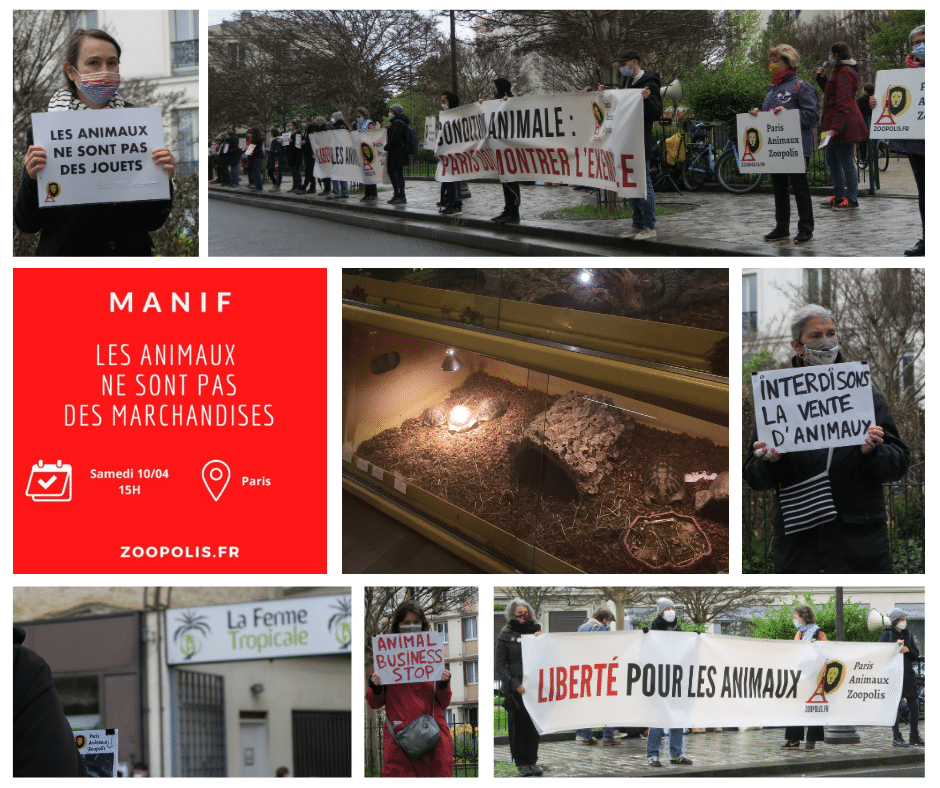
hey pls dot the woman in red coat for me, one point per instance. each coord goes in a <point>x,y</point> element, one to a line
<point>842,119</point>
<point>404,703</point>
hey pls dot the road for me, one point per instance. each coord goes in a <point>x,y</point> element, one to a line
<point>245,231</point>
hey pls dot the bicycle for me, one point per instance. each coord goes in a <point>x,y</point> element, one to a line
<point>703,163</point>
<point>883,155</point>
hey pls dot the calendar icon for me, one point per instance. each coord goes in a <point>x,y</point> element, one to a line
<point>50,483</point>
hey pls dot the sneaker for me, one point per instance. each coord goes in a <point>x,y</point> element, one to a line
<point>536,770</point>
<point>843,204</point>
<point>499,218</point>
<point>790,745</point>
<point>653,762</point>
<point>646,234</point>
<point>917,250</point>
<point>631,233</point>
<point>898,741</point>
<point>777,234</point>
<point>586,742</point>
<point>830,203</point>
<point>332,196</point>
<point>524,771</point>
<point>681,761</point>
<point>802,237</point>
<point>453,210</point>
<point>507,218</point>
<point>611,742</point>
<point>917,741</point>
<point>810,746</point>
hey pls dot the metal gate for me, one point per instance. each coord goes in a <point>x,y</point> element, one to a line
<point>198,724</point>
<point>322,743</point>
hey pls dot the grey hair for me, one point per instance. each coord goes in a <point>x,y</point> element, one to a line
<point>804,315</point>
<point>513,604</point>
<point>916,31</point>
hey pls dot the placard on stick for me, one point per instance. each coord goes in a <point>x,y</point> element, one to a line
<point>99,750</point>
<point>408,658</point>
<point>814,407</point>
<point>100,156</point>
<point>900,111</point>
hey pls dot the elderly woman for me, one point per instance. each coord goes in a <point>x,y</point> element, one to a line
<point>523,737</point>
<point>788,92</point>
<point>855,537</point>
<point>92,77</point>
<point>807,631</point>
<point>404,703</point>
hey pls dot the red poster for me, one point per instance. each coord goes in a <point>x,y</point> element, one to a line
<point>169,421</point>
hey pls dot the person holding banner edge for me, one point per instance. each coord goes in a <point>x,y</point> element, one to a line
<point>523,737</point>
<point>92,78</point>
<point>899,633</point>
<point>501,89</point>
<point>855,538</point>
<point>599,622</point>
<point>807,631</point>
<point>788,92</point>
<point>406,702</point>
<point>665,621</point>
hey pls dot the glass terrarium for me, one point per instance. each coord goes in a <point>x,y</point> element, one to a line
<point>536,455</point>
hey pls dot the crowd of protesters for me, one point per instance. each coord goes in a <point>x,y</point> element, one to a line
<point>842,115</point>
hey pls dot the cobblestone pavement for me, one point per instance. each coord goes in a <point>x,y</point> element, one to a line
<point>709,751</point>
<point>712,221</point>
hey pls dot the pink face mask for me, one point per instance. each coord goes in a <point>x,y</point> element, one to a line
<point>99,87</point>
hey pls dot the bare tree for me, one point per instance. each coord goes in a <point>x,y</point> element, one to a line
<point>703,604</point>
<point>622,597</point>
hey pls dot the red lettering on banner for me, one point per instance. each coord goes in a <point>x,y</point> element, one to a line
<point>499,162</point>
<point>627,171</point>
<point>577,163</point>
<point>573,674</point>
<point>611,678</point>
<point>542,699</point>
<point>590,162</point>
<point>586,673</point>
<point>511,167</point>
<point>563,159</point>
<point>562,677</point>
<point>599,667</point>
<point>543,159</point>
<point>551,684</point>
<point>551,158</point>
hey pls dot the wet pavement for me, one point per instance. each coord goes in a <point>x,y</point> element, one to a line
<point>729,753</point>
<point>711,222</point>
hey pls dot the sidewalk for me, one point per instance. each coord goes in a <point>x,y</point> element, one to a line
<point>746,753</point>
<point>716,222</point>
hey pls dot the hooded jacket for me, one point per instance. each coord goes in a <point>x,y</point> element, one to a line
<point>912,655</point>
<point>793,93</point>
<point>652,104</point>
<point>840,109</point>
<point>397,142</point>
<point>857,541</point>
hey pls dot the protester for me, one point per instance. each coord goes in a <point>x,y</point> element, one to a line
<point>340,188</point>
<point>92,77</point>
<point>43,744</point>
<point>235,159</point>
<point>306,148</point>
<point>843,120</point>
<point>451,203</point>
<point>898,632</point>
<point>599,622</point>
<point>512,198</point>
<point>213,148</point>
<point>256,158</point>
<point>804,619</point>
<point>665,621</point>
<point>855,537</point>
<point>275,160</point>
<point>788,92</point>
<point>397,148</point>
<point>404,703</point>
<point>864,106</point>
<point>370,191</point>
<point>295,155</point>
<point>523,737</point>
<point>319,125</point>
<point>914,149</point>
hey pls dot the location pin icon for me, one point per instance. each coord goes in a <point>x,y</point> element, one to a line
<point>215,475</point>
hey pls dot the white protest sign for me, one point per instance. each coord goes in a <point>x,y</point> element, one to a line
<point>813,407</point>
<point>99,156</point>
<point>322,158</point>
<point>99,750</point>
<point>430,132</point>
<point>769,142</point>
<point>408,658</point>
<point>899,107</point>
<point>371,145</point>
<point>682,679</point>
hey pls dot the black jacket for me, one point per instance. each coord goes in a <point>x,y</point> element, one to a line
<point>508,662</point>
<point>43,745</point>
<point>102,230</point>
<point>858,540</point>
<point>652,105</point>
<point>912,655</point>
<point>397,144</point>
<point>294,153</point>
<point>660,623</point>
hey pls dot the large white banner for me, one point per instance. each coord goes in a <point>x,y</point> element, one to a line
<point>813,407</point>
<point>356,156</point>
<point>899,111</point>
<point>372,151</point>
<point>101,156</point>
<point>590,139</point>
<point>682,679</point>
<point>770,143</point>
<point>291,627</point>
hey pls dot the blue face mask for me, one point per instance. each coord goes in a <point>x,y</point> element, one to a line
<point>493,92</point>
<point>624,70</point>
<point>919,51</point>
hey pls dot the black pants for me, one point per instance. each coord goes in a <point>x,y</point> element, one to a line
<point>450,195</point>
<point>909,693</point>
<point>397,176</point>
<point>309,182</point>
<point>804,203</point>
<point>813,733</point>
<point>523,738</point>
<point>918,164</point>
<point>512,199</point>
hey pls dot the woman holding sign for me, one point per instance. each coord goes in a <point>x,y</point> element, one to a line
<point>807,631</point>
<point>92,78</point>
<point>523,737</point>
<point>848,531</point>
<point>788,92</point>
<point>406,703</point>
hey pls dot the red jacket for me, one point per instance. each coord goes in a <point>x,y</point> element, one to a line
<point>404,703</point>
<point>840,110</point>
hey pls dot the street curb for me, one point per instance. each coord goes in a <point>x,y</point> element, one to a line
<point>480,234</point>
